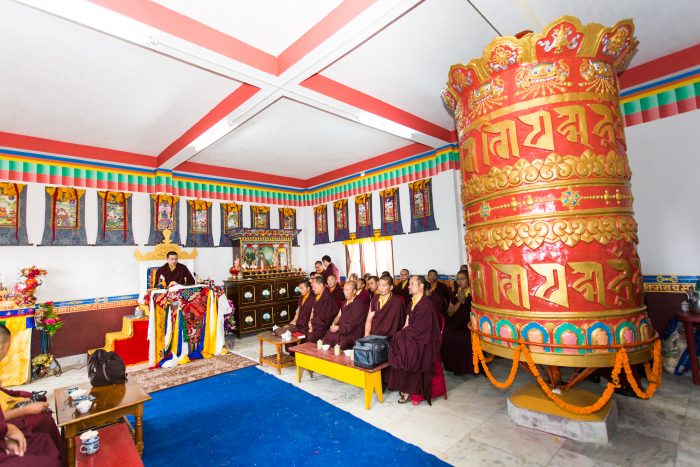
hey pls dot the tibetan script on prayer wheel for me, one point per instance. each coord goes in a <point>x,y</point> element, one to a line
<point>551,237</point>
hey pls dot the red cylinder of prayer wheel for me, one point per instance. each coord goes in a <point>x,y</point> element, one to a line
<point>551,237</point>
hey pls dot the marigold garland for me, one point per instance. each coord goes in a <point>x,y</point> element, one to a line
<point>653,374</point>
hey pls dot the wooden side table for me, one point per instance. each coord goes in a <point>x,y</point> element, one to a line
<point>278,361</point>
<point>111,404</point>
<point>690,321</point>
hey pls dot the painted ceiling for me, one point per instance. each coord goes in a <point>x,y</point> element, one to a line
<point>293,89</point>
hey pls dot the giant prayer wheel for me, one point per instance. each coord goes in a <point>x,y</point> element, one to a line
<point>551,237</point>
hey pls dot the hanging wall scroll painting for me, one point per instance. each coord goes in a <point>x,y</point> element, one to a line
<point>363,215</point>
<point>422,215</point>
<point>340,220</point>
<point>65,214</point>
<point>114,218</point>
<point>391,214</point>
<point>321,224</point>
<point>13,206</point>
<point>164,215</point>
<point>288,221</point>
<point>231,218</point>
<point>199,223</point>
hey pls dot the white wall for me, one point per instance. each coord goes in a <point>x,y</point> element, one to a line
<point>80,272</point>
<point>665,163</point>
<point>441,249</point>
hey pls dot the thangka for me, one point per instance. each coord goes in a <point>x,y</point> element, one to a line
<point>65,215</point>
<point>114,218</point>
<point>164,215</point>
<point>13,206</point>
<point>391,213</point>
<point>422,216</point>
<point>199,223</point>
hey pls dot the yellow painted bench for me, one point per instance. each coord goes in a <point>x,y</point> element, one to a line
<point>339,367</point>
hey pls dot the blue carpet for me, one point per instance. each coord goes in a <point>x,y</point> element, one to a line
<point>248,417</point>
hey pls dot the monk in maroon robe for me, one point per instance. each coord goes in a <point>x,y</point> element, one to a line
<point>34,449</point>
<point>387,312</point>
<point>173,273</point>
<point>349,325</point>
<point>401,289</point>
<point>305,304</point>
<point>456,348</point>
<point>362,293</point>
<point>330,269</point>
<point>438,292</point>
<point>416,347</point>
<point>33,418</point>
<point>336,291</point>
<point>323,312</point>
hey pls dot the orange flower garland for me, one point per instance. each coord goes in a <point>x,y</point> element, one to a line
<point>653,374</point>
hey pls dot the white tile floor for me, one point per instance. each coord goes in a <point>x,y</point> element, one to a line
<point>472,426</point>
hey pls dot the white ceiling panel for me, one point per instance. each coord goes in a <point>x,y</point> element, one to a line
<point>406,64</point>
<point>296,140</point>
<point>269,25</point>
<point>69,83</point>
<point>661,27</point>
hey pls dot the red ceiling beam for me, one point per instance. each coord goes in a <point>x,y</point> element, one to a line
<point>50,146</point>
<point>662,66</point>
<point>218,113</point>
<point>186,28</point>
<point>348,95</point>
<point>332,23</point>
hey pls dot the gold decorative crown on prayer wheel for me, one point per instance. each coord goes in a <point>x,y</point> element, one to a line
<point>551,237</point>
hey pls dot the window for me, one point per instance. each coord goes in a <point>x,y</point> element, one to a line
<point>370,257</point>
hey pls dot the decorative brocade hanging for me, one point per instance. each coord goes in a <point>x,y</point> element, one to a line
<point>260,217</point>
<point>164,215</point>
<point>321,224</point>
<point>288,221</point>
<point>422,216</point>
<point>13,205</point>
<point>114,218</point>
<point>340,214</point>
<point>231,218</point>
<point>363,216</point>
<point>64,220</point>
<point>199,223</point>
<point>391,213</point>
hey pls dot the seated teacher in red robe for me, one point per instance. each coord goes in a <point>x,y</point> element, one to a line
<point>349,325</point>
<point>303,313</point>
<point>456,338</point>
<point>174,273</point>
<point>27,447</point>
<point>416,347</point>
<point>323,312</point>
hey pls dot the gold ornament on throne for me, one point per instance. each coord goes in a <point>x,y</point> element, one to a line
<point>161,250</point>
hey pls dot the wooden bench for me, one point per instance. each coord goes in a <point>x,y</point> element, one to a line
<point>340,367</point>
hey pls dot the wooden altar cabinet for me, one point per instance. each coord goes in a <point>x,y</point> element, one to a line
<point>264,284</point>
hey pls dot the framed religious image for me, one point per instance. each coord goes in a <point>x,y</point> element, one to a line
<point>288,221</point>
<point>66,214</point>
<point>164,215</point>
<point>421,203</point>
<point>9,207</point>
<point>362,217</point>
<point>233,220</point>
<point>389,209</point>
<point>200,221</point>
<point>260,217</point>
